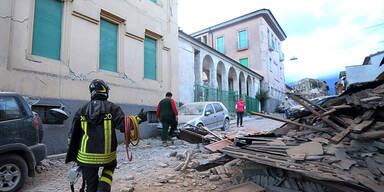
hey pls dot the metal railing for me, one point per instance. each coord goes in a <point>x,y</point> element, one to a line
<point>228,98</point>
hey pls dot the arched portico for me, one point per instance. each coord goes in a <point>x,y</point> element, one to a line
<point>232,79</point>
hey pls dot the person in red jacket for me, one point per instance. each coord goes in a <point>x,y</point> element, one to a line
<point>240,108</point>
<point>167,113</point>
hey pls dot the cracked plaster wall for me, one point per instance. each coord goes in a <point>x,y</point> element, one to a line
<point>69,78</point>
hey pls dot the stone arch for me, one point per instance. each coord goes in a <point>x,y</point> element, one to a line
<point>197,67</point>
<point>249,89</point>
<point>220,76</point>
<point>242,88</point>
<point>232,79</point>
<point>208,70</point>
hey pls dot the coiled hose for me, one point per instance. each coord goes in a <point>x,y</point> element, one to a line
<point>130,138</point>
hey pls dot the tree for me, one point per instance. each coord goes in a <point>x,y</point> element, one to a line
<point>262,96</point>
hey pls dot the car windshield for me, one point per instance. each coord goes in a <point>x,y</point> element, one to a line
<point>192,109</point>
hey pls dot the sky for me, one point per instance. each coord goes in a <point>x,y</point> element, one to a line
<point>324,35</point>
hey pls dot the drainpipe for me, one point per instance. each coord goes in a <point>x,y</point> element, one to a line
<point>210,31</point>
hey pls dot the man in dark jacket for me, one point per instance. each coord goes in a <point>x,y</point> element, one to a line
<point>93,140</point>
<point>167,113</point>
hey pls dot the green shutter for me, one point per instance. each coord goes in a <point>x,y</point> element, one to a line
<point>108,46</point>
<point>154,1</point>
<point>46,40</point>
<point>244,62</point>
<point>150,58</point>
<point>220,44</point>
<point>243,41</point>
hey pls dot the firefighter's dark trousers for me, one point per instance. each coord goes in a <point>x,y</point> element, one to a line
<point>92,181</point>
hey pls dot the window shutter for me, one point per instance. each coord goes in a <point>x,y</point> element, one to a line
<point>220,44</point>
<point>150,60</point>
<point>108,46</point>
<point>46,40</point>
<point>243,42</point>
<point>244,62</point>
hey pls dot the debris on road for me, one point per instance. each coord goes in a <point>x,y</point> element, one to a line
<point>340,146</point>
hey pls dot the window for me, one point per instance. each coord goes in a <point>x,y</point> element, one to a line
<point>44,114</point>
<point>244,62</point>
<point>155,1</point>
<point>108,46</point>
<point>150,51</point>
<point>205,39</point>
<point>46,40</point>
<point>209,108</point>
<point>243,41</point>
<point>220,44</point>
<point>9,109</point>
<point>218,107</point>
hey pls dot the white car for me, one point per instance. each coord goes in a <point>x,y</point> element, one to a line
<point>209,114</point>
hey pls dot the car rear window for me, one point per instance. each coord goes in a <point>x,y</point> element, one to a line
<point>9,109</point>
<point>217,107</point>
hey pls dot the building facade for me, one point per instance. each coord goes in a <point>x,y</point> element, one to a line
<point>254,40</point>
<point>371,69</point>
<point>50,50</point>
<point>206,74</point>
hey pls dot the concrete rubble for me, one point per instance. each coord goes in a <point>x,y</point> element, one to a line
<point>339,147</point>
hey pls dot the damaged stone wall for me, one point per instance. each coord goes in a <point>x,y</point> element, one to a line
<point>311,88</point>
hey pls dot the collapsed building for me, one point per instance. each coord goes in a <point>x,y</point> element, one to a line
<point>311,88</point>
<point>338,147</point>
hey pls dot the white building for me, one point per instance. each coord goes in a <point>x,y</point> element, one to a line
<point>255,41</point>
<point>202,67</point>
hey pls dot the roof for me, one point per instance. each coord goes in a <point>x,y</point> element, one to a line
<point>266,13</point>
<point>368,58</point>
<point>194,40</point>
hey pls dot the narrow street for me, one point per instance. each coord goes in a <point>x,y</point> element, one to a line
<point>152,167</point>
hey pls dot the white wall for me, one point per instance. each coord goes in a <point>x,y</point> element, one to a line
<point>363,73</point>
<point>186,71</point>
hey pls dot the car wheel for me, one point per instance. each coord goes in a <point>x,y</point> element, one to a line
<point>13,171</point>
<point>225,125</point>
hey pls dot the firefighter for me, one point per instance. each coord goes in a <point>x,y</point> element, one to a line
<point>93,143</point>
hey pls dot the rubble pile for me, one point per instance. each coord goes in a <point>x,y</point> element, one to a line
<point>339,147</point>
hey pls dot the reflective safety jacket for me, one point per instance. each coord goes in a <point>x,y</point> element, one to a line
<point>93,139</point>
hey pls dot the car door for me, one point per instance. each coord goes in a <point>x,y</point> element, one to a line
<point>208,118</point>
<point>219,115</point>
<point>13,122</point>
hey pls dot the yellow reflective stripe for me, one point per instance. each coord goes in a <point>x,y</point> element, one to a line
<point>89,160</point>
<point>96,154</point>
<point>94,158</point>
<point>108,172</point>
<point>107,180</point>
<point>110,135</point>
<point>105,137</point>
<point>86,136</point>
